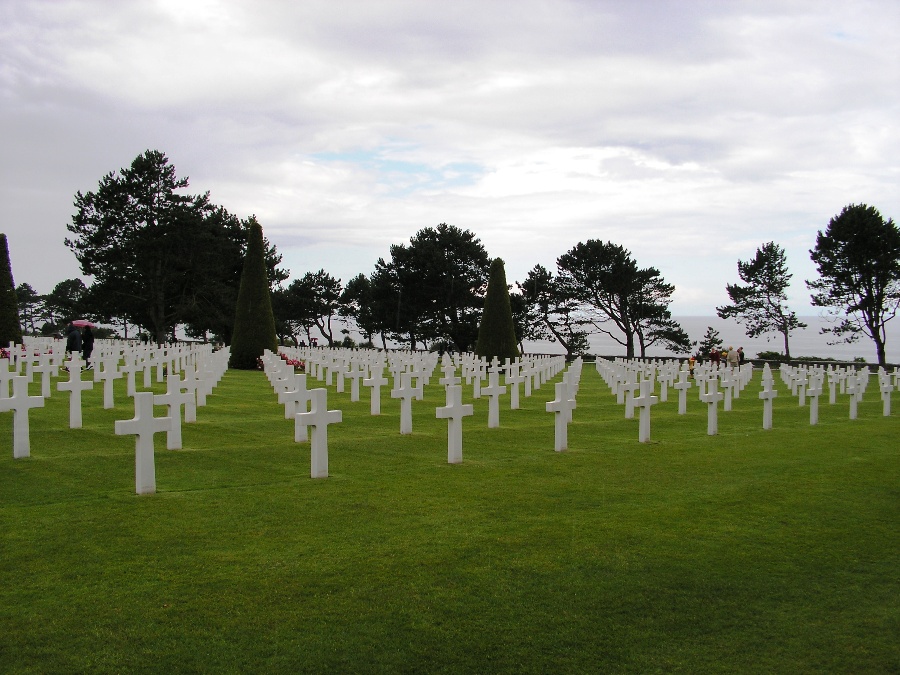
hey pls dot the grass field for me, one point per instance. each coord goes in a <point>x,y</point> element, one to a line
<point>751,551</point>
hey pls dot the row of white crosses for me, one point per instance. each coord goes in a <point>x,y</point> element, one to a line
<point>410,373</point>
<point>627,378</point>
<point>144,425</point>
<point>293,394</point>
<point>197,384</point>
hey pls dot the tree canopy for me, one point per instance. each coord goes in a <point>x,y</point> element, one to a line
<point>158,256</point>
<point>433,288</point>
<point>858,260</point>
<point>617,298</point>
<point>761,305</point>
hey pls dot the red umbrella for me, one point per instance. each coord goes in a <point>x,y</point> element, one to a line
<point>82,322</point>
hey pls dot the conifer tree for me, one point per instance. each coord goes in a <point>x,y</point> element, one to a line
<point>10,329</point>
<point>497,333</point>
<point>254,322</point>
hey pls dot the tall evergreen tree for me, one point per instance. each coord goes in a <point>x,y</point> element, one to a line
<point>761,305</point>
<point>497,333</point>
<point>254,322</point>
<point>10,329</point>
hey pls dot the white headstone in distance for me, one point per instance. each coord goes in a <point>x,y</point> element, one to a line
<point>493,391</point>
<point>767,394</point>
<point>75,386</point>
<point>406,393</point>
<point>561,407</point>
<point>712,398</point>
<point>453,412</point>
<point>644,401</point>
<point>375,383</point>
<point>173,399</point>
<point>682,385</point>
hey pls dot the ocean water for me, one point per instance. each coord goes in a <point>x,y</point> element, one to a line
<point>804,342</point>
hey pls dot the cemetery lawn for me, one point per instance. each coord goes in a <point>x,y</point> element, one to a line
<point>750,551</point>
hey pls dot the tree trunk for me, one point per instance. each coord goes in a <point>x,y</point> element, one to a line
<point>787,349</point>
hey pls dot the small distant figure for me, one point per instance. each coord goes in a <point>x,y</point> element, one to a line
<point>741,355</point>
<point>733,358</point>
<point>691,363</point>
<point>87,346</point>
<point>715,356</point>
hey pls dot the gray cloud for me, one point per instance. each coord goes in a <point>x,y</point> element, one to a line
<point>689,132</point>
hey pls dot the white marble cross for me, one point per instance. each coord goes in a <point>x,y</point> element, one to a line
<point>449,370</point>
<point>294,395</point>
<point>375,382</point>
<point>644,401</point>
<point>75,386</point>
<point>406,392</point>
<point>813,391</point>
<point>355,374</point>
<point>629,388</point>
<point>562,406</point>
<point>886,388</point>
<point>129,370</point>
<point>852,388</point>
<point>20,403</point>
<point>712,398</point>
<point>45,368</point>
<point>767,394</point>
<point>682,385</point>
<point>514,378</point>
<point>106,370</point>
<point>173,399</point>
<point>143,425</point>
<point>494,391</point>
<point>453,412</point>
<point>190,383</point>
<point>6,376</point>
<point>319,417</point>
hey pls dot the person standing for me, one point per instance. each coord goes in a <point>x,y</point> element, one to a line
<point>73,339</point>
<point>733,358</point>
<point>87,346</point>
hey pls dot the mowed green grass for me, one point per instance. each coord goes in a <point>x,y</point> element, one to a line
<point>751,551</point>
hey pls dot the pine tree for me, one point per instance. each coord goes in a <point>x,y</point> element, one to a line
<point>10,329</point>
<point>254,322</point>
<point>497,333</point>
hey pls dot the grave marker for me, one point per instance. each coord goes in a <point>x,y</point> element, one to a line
<point>562,408</point>
<point>75,386</point>
<point>319,417</point>
<point>143,425</point>
<point>453,412</point>
<point>20,403</point>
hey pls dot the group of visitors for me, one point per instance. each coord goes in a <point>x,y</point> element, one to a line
<point>80,341</point>
<point>731,356</point>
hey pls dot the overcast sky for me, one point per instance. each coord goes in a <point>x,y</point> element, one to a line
<point>690,132</point>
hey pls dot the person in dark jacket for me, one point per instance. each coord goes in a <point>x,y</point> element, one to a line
<point>87,345</point>
<point>73,339</point>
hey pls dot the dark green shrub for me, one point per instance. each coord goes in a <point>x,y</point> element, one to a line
<point>254,323</point>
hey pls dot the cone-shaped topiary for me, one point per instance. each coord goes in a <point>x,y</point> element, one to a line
<point>10,329</point>
<point>497,334</point>
<point>254,323</point>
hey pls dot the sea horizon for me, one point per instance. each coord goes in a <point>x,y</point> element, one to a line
<point>805,342</point>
